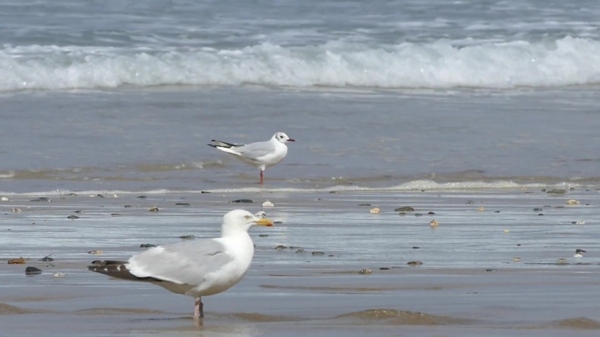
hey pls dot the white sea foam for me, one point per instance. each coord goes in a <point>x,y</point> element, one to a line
<point>440,64</point>
<point>416,185</point>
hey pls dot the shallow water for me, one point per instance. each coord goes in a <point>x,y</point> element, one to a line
<point>468,283</point>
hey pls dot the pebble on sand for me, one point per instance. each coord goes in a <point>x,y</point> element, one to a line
<point>17,261</point>
<point>241,201</point>
<point>59,274</point>
<point>365,271</point>
<point>516,259</point>
<point>404,209</point>
<point>268,204</point>
<point>153,209</point>
<point>572,202</point>
<point>578,222</point>
<point>433,223</point>
<point>72,217</point>
<point>95,252</point>
<point>414,263</point>
<point>16,210</point>
<point>32,271</point>
<point>42,199</point>
<point>374,210</point>
<point>481,209</point>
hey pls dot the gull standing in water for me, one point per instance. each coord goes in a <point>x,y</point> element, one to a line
<point>197,267</point>
<point>260,154</point>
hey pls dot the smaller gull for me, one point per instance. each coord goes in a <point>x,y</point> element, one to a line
<point>260,154</point>
<point>196,267</point>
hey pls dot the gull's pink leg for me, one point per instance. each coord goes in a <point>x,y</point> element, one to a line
<point>198,308</point>
<point>262,180</point>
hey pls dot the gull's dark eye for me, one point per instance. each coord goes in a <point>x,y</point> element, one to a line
<point>247,217</point>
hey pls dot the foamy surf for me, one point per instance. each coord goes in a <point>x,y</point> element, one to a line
<point>440,64</point>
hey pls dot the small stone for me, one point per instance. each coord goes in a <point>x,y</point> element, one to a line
<point>414,263</point>
<point>147,245</point>
<point>537,209</point>
<point>78,211</point>
<point>481,209</point>
<point>187,237</point>
<point>59,274</point>
<point>404,209</point>
<point>261,214</point>
<point>433,223</point>
<point>242,201</point>
<point>16,210</point>
<point>182,204</point>
<point>516,259</point>
<point>268,204</point>
<point>506,231</point>
<point>99,196</point>
<point>153,209</point>
<point>496,211</point>
<point>318,253</point>
<point>42,199</point>
<point>17,261</point>
<point>263,235</point>
<point>127,206</point>
<point>32,271</point>
<point>416,247</point>
<point>430,213</point>
<point>557,191</point>
<point>578,222</point>
<point>280,247</point>
<point>368,205</point>
<point>418,214</point>
<point>562,261</point>
<point>365,271</point>
<point>95,252</point>
<point>374,210</point>
<point>491,270</point>
<point>141,197</point>
<point>384,268</point>
<point>572,202</point>
<point>72,217</point>
<point>47,258</point>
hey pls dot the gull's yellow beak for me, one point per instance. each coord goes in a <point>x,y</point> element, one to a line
<point>264,222</point>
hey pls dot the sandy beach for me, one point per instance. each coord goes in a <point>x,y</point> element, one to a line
<point>491,266</point>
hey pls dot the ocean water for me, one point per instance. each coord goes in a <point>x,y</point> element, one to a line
<point>123,96</point>
<point>472,110</point>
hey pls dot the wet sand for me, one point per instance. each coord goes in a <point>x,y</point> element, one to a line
<point>469,284</point>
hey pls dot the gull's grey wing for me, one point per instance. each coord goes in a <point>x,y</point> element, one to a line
<point>185,262</point>
<point>255,151</point>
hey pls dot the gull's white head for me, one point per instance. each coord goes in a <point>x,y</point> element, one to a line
<point>282,138</point>
<point>242,220</point>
